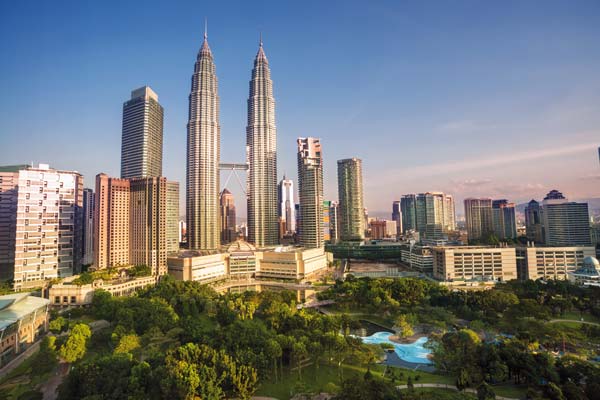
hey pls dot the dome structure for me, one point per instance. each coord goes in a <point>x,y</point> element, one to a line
<point>591,266</point>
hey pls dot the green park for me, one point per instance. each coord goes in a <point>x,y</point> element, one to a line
<point>183,340</point>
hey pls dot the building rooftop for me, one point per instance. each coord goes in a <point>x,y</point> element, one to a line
<point>14,307</point>
<point>13,168</point>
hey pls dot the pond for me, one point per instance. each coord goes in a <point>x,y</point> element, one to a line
<point>364,328</point>
<point>410,352</point>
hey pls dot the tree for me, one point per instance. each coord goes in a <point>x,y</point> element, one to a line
<point>403,326</point>
<point>74,348</point>
<point>409,384</point>
<point>553,392</point>
<point>58,324</point>
<point>127,344</point>
<point>485,392</point>
<point>463,380</point>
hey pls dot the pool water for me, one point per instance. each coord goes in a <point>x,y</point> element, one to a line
<point>413,352</point>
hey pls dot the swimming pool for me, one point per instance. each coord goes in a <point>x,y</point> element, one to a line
<point>413,352</point>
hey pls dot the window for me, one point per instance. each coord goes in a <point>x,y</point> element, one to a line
<point>56,299</point>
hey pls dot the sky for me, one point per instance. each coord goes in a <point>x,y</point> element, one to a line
<point>495,99</point>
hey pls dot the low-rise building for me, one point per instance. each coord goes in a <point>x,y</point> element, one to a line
<point>194,266</point>
<point>418,258</point>
<point>69,294</point>
<point>290,263</point>
<point>241,260</point>
<point>23,319</point>
<point>551,262</point>
<point>481,263</point>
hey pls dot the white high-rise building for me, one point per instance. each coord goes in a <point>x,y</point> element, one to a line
<point>203,155</point>
<point>286,205</point>
<point>261,156</point>
<point>43,238</point>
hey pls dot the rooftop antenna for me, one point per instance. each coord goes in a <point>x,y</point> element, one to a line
<point>260,40</point>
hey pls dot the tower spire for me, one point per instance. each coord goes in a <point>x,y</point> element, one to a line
<point>205,28</point>
<point>260,43</point>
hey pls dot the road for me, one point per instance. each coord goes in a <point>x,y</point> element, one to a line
<point>450,387</point>
<point>573,320</point>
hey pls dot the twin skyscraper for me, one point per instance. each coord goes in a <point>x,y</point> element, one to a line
<point>204,153</point>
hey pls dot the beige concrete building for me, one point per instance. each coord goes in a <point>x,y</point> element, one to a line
<point>41,221</point>
<point>551,262</point>
<point>66,293</point>
<point>172,216</point>
<point>148,223</point>
<point>111,222</point>
<point>463,263</point>
<point>131,222</point>
<point>23,320</point>
<point>198,268</point>
<point>290,263</point>
<point>310,187</point>
<point>241,260</point>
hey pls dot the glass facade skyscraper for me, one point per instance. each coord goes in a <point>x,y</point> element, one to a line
<point>142,138</point>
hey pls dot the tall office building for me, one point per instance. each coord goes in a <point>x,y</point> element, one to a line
<point>41,220</point>
<point>479,219</point>
<point>142,140</point>
<point>397,216</point>
<point>285,191</point>
<point>334,225</point>
<point>111,222</point>
<point>408,211</point>
<point>432,214</point>
<point>148,227</point>
<point>228,233</point>
<point>350,191</point>
<point>172,216</point>
<point>88,227</point>
<point>310,188</point>
<point>261,156</point>
<point>565,223</point>
<point>504,219</point>
<point>533,222</point>
<point>203,155</point>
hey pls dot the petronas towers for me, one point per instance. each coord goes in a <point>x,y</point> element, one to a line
<point>203,155</point>
<point>261,155</point>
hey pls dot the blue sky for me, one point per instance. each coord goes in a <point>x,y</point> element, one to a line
<point>472,98</point>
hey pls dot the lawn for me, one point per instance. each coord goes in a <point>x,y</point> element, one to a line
<point>24,378</point>
<point>315,379</point>
<point>577,316</point>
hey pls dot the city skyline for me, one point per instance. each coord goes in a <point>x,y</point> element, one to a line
<point>493,137</point>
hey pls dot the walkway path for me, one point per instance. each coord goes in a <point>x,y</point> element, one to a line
<point>573,320</point>
<point>450,387</point>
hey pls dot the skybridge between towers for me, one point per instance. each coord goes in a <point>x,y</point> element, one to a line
<point>233,168</point>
